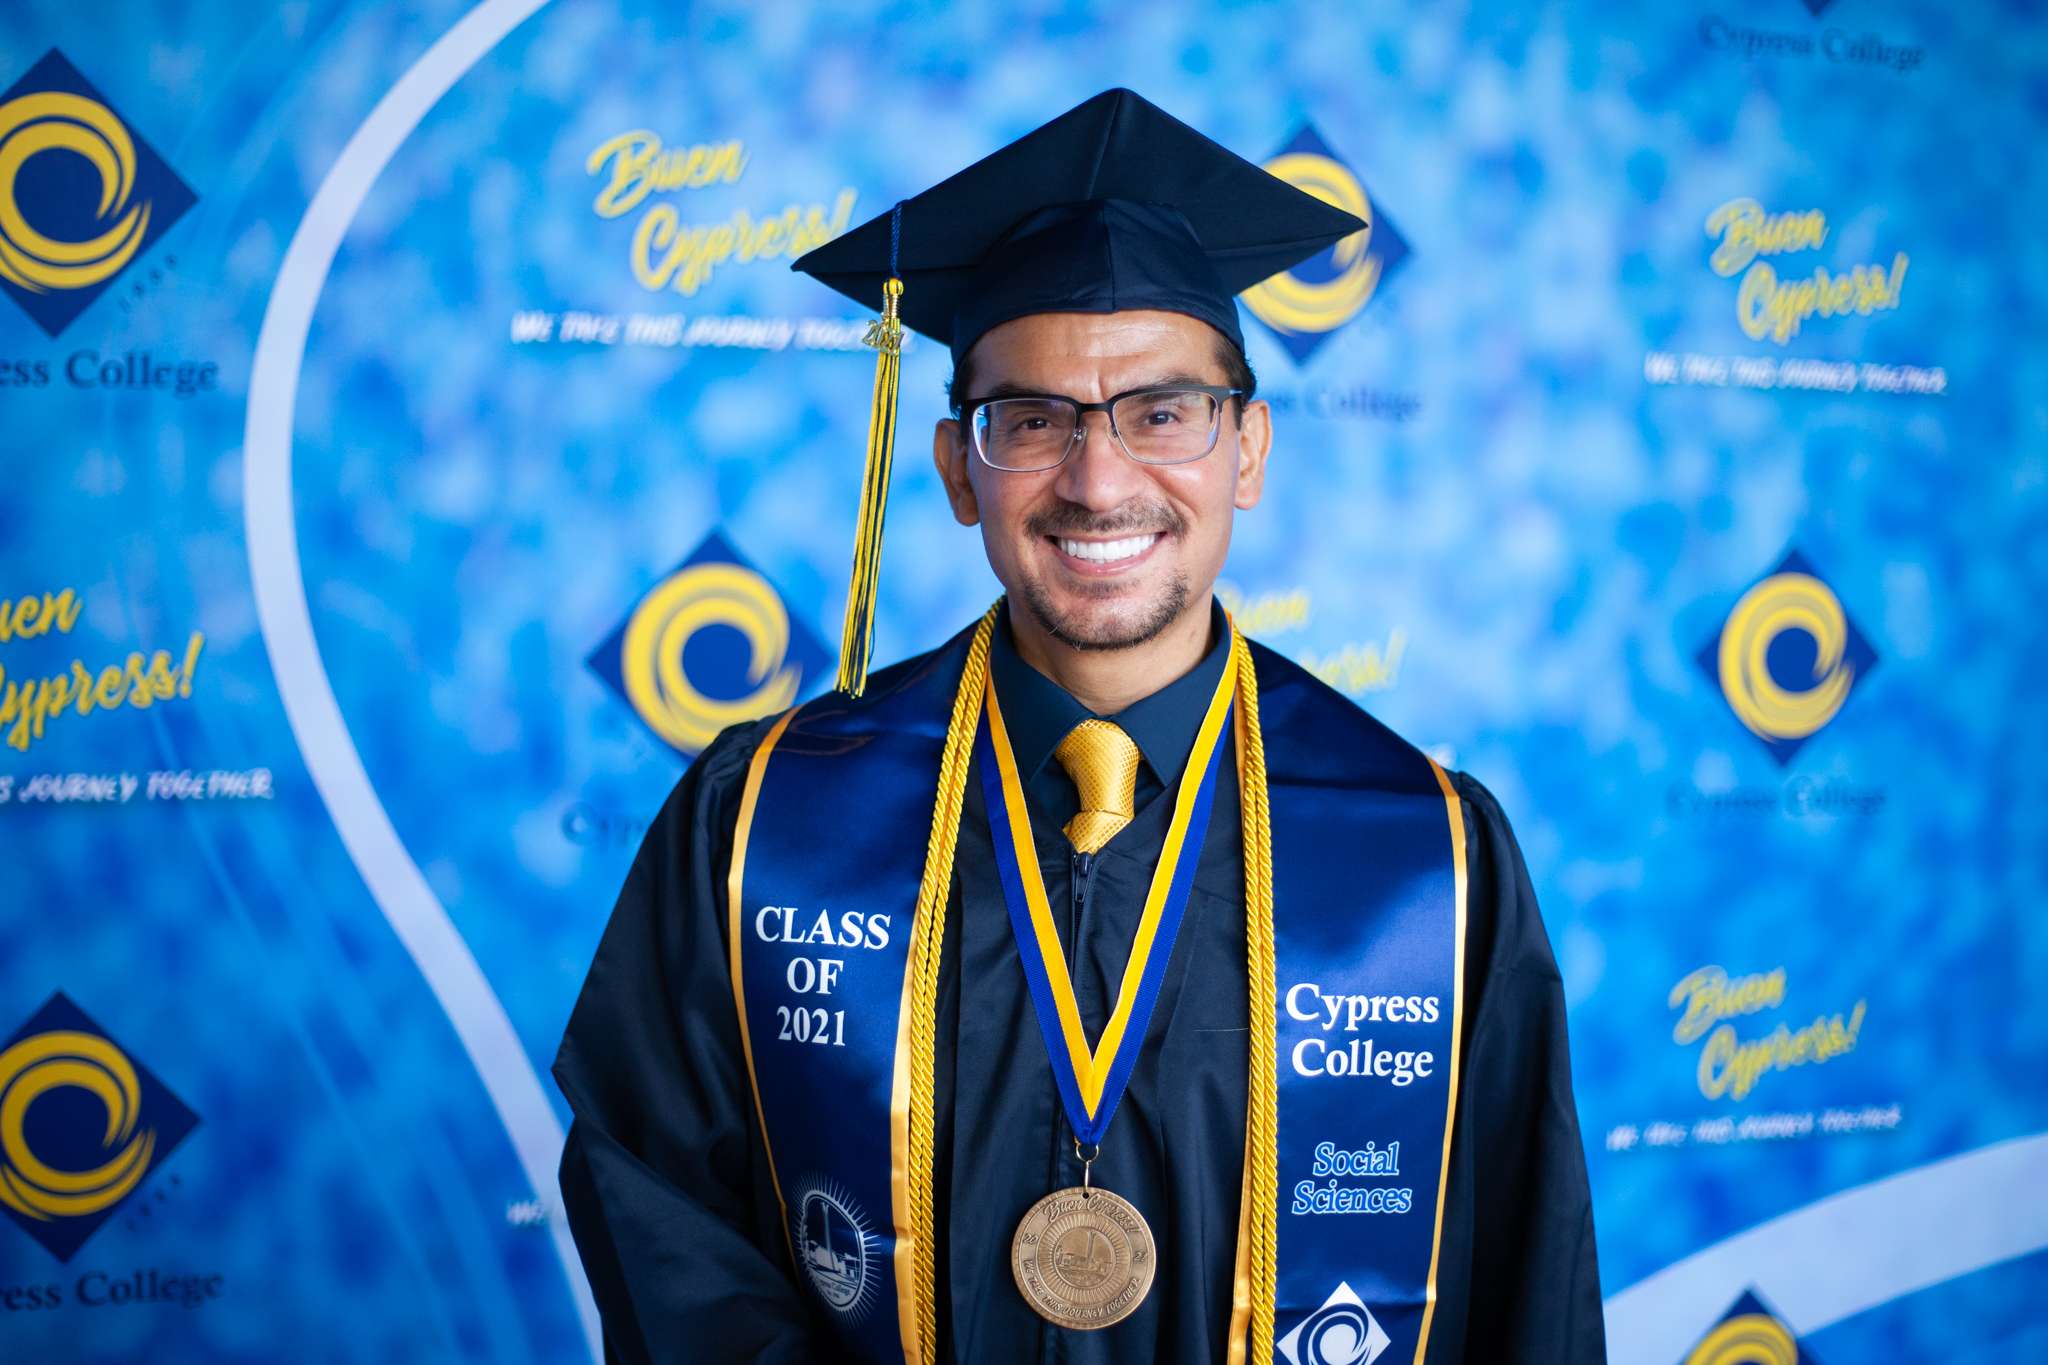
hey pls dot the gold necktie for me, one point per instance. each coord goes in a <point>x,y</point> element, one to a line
<point>1103,762</point>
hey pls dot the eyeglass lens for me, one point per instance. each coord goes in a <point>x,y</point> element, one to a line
<point>1161,426</point>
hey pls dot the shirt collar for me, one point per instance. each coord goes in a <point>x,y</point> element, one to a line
<point>1038,712</point>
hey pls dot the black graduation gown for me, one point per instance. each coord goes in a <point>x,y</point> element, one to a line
<point>667,1187</point>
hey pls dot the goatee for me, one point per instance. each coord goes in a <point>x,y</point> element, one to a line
<point>1138,624</point>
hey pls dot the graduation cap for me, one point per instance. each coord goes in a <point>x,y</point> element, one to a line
<point>1115,205</point>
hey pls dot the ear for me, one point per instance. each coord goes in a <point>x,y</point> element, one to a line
<point>1254,444</point>
<point>954,462</point>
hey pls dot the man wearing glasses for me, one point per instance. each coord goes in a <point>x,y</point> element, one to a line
<point>1098,987</point>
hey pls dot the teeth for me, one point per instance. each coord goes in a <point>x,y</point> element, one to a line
<point>1109,551</point>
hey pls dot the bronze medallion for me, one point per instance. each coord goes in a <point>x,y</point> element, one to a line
<point>1083,1258</point>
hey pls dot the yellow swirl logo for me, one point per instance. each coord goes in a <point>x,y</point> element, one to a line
<point>1304,305</point>
<point>1289,303</point>
<point>81,1125</point>
<point>1749,1334</point>
<point>1752,1339</point>
<point>1782,602</point>
<point>80,193</point>
<point>706,595</point>
<point>47,122</point>
<point>711,645</point>
<point>1787,657</point>
<point>33,1068</point>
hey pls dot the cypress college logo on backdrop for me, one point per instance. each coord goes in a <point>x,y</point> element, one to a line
<point>1787,657</point>
<point>1305,305</point>
<point>82,1123</point>
<point>709,646</point>
<point>81,194</point>
<point>1749,1333</point>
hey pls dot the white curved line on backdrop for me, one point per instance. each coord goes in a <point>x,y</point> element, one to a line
<point>394,879</point>
<point>1847,1253</point>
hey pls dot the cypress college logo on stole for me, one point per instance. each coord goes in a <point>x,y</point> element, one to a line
<point>1355,909</point>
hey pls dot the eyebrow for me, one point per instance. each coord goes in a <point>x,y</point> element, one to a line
<point>1012,389</point>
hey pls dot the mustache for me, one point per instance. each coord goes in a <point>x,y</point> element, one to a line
<point>1139,516</point>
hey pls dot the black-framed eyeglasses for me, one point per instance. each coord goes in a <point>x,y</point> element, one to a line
<point>1029,433</point>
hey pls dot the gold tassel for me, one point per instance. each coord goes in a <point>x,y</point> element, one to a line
<point>857,639</point>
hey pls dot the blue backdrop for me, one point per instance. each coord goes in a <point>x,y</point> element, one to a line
<point>416,445</point>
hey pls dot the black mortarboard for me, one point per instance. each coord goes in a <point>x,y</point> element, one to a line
<point>1114,205</point>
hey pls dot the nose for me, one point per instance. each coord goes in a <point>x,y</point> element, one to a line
<point>1098,474</point>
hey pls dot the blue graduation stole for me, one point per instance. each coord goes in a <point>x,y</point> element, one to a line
<point>1355,881</point>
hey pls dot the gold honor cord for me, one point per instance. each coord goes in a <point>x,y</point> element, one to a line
<point>857,637</point>
<point>916,1221</point>
<point>1258,1253</point>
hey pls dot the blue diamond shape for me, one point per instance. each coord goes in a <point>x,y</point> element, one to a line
<point>1761,1324</point>
<point>1386,248</point>
<point>718,659</point>
<point>59,194</point>
<point>64,1125</point>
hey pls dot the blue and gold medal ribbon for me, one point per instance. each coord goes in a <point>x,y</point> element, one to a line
<point>1092,1081</point>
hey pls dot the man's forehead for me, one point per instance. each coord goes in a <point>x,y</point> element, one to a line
<point>1145,343</point>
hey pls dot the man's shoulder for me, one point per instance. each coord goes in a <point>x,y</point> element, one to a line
<point>943,664</point>
<point>1316,735</point>
<point>911,697</point>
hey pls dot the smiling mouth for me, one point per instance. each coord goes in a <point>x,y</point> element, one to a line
<point>1108,551</point>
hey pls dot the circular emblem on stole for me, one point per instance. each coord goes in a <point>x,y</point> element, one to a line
<point>834,1247</point>
<point>1083,1258</point>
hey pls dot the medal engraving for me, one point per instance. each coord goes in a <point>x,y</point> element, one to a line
<point>1083,1258</point>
